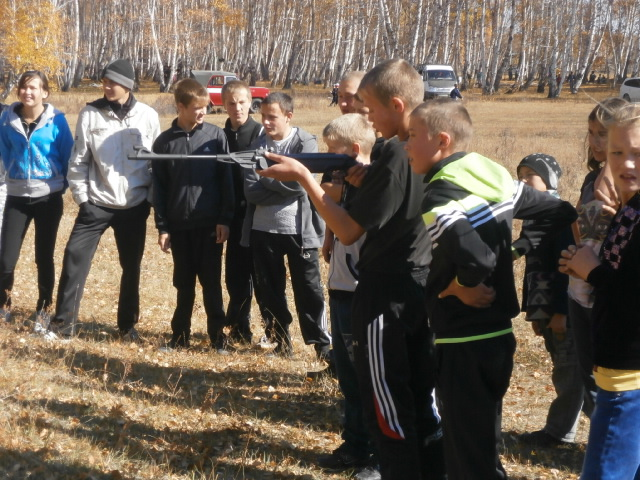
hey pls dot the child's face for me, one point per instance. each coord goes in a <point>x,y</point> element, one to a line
<point>237,104</point>
<point>114,92</point>
<point>383,116</point>
<point>424,149</point>
<point>598,140</point>
<point>347,96</point>
<point>194,113</point>
<point>624,159</point>
<point>276,123</point>
<point>335,146</point>
<point>530,177</point>
<point>31,94</point>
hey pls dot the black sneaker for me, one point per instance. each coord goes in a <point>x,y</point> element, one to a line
<point>540,438</point>
<point>343,458</point>
<point>131,335</point>
<point>241,338</point>
<point>221,345</point>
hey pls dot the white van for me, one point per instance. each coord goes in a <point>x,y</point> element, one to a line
<point>439,80</point>
<point>630,89</point>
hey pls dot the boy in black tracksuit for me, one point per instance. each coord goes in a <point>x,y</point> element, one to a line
<point>392,341</point>
<point>468,208</point>
<point>193,203</point>
<point>241,130</point>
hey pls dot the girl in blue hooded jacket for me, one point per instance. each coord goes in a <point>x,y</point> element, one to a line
<point>35,145</point>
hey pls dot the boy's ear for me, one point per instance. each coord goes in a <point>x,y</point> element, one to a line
<point>445,140</point>
<point>289,115</point>
<point>398,104</point>
<point>356,149</point>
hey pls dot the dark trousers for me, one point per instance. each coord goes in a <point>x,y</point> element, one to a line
<point>269,252</point>
<point>129,228</point>
<point>355,432</point>
<point>240,283</point>
<point>581,329</point>
<point>396,370</point>
<point>472,379</point>
<point>197,255</point>
<point>46,213</point>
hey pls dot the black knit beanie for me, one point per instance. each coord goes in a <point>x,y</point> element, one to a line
<point>544,165</point>
<point>121,72</point>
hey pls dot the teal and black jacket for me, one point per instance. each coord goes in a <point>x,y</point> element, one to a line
<point>469,206</point>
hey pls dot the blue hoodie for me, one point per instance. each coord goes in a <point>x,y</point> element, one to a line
<point>35,166</point>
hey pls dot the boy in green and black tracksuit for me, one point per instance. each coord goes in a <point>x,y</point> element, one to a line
<point>470,202</point>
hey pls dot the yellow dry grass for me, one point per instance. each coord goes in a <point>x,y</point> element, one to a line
<point>95,408</point>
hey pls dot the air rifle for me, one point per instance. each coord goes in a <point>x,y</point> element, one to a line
<point>315,162</point>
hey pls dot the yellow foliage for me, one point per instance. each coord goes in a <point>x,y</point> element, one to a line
<point>31,41</point>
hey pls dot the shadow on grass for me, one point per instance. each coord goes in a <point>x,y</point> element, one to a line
<point>239,387</point>
<point>227,453</point>
<point>567,457</point>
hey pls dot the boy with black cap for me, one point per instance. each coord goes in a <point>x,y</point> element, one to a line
<point>112,191</point>
<point>545,302</point>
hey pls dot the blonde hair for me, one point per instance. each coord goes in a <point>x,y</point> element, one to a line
<point>394,78</point>
<point>349,129</point>
<point>235,86</point>
<point>354,75</point>
<point>624,116</point>
<point>446,115</point>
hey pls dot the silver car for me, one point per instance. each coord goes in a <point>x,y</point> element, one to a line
<point>630,89</point>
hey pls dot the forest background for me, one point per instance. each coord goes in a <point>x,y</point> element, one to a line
<point>528,42</point>
<point>97,408</point>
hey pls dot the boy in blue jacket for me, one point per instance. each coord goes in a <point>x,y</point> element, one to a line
<point>193,202</point>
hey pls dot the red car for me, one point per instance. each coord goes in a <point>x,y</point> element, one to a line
<point>214,82</point>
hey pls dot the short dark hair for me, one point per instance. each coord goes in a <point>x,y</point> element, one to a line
<point>394,78</point>
<point>187,90</point>
<point>446,115</point>
<point>282,99</point>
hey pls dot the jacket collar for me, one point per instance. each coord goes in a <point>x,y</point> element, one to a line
<point>441,164</point>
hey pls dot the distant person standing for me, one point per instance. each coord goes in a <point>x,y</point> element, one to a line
<point>241,129</point>
<point>35,144</point>
<point>3,185</point>
<point>334,95</point>
<point>112,192</point>
<point>455,93</point>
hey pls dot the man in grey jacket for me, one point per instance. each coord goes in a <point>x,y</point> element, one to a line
<point>112,191</point>
<point>280,221</point>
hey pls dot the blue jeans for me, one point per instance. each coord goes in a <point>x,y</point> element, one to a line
<point>355,433</point>
<point>613,451</point>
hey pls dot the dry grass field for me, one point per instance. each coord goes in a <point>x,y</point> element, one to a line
<point>96,408</point>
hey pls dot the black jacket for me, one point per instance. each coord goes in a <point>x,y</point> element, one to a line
<point>240,140</point>
<point>191,193</point>
<point>468,209</point>
<point>616,317</point>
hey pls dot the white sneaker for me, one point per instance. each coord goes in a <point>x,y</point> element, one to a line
<point>5,315</point>
<point>42,320</point>
<point>49,336</point>
<point>265,343</point>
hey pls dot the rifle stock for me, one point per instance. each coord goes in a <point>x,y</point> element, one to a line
<point>315,162</point>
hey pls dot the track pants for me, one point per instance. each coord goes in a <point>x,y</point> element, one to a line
<point>394,357</point>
